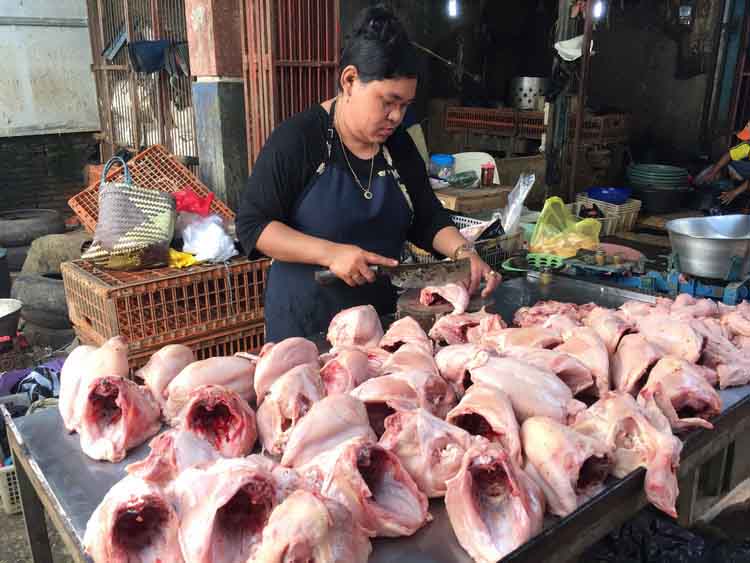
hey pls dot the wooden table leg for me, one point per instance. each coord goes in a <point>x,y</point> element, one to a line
<point>33,515</point>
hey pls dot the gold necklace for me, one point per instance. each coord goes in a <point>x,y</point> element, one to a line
<point>366,192</point>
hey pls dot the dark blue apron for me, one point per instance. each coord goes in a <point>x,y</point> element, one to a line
<point>332,207</point>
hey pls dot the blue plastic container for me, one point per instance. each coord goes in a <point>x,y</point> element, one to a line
<point>615,196</point>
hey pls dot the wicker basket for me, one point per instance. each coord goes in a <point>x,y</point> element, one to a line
<point>617,218</point>
<point>493,251</point>
<point>153,168</point>
<point>248,338</point>
<point>153,308</point>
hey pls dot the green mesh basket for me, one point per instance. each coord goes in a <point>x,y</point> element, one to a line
<point>533,262</point>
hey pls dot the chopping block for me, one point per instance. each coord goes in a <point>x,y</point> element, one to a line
<point>408,305</point>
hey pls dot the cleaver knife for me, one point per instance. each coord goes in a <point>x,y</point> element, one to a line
<point>413,276</point>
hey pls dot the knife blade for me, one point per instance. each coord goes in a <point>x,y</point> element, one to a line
<point>413,276</point>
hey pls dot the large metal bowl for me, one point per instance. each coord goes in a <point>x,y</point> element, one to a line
<point>10,313</point>
<point>708,246</point>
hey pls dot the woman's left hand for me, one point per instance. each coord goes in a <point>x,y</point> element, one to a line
<point>480,270</point>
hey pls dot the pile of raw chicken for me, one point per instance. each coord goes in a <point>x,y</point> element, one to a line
<point>356,440</point>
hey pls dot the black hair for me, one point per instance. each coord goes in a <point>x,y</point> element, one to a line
<point>379,47</point>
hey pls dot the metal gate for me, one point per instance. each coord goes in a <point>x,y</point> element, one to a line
<point>290,58</point>
<point>138,109</point>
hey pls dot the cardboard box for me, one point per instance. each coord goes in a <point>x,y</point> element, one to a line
<point>474,200</point>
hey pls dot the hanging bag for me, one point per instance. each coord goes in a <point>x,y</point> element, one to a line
<point>135,225</point>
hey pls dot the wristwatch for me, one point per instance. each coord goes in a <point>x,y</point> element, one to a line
<point>465,248</point>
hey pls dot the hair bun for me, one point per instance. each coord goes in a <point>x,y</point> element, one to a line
<point>379,23</point>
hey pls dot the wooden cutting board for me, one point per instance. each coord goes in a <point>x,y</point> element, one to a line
<point>408,305</point>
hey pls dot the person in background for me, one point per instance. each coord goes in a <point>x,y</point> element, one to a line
<point>342,186</point>
<point>737,163</point>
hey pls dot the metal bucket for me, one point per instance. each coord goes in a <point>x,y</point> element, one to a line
<point>712,247</point>
<point>526,91</point>
<point>10,313</point>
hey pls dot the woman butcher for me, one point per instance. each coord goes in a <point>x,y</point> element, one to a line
<point>342,186</point>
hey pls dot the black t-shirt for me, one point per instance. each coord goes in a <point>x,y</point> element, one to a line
<point>292,154</point>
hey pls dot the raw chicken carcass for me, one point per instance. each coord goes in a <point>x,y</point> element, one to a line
<point>85,364</point>
<point>610,326</point>
<point>455,361</point>
<point>116,416</point>
<point>134,523</point>
<point>539,313</point>
<point>346,368</point>
<point>328,423</point>
<point>587,346</point>
<point>680,391</point>
<point>731,364</point>
<point>493,506</point>
<point>631,363</point>
<point>530,337</point>
<point>487,412</point>
<point>358,326</point>
<point>568,368</point>
<point>222,418</point>
<point>687,306</point>
<point>309,527</point>
<point>429,448</point>
<point>570,467</point>
<point>737,323</point>
<point>532,391</point>
<point>467,327</point>
<point>162,367</point>
<point>639,439</point>
<point>289,399</point>
<point>279,359</point>
<point>372,483</point>
<point>171,453</point>
<point>560,323</point>
<point>405,331</point>
<point>406,390</point>
<point>410,357</point>
<point>675,337</point>
<point>454,293</point>
<point>224,507</point>
<point>231,372</point>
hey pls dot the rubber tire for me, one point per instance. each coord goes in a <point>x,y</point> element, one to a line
<point>48,337</point>
<point>43,298</point>
<point>20,227</point>
<point>16,256</point>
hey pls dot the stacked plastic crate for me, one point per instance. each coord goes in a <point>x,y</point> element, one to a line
<point>215,309</point>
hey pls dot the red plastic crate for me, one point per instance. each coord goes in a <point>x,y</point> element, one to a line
<point>153,168</point>
<point>249,338</point>
<point>530,124</point>
<point>157,307</point>
<point>501,120</point>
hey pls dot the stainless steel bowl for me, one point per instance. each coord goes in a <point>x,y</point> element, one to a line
<point>707,245</point>
<point>10,313</point>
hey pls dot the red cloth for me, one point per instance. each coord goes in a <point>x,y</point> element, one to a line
<point>188,200</point>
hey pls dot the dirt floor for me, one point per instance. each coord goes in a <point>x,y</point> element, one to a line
<point>14,548</point>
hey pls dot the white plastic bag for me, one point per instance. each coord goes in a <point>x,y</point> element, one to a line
<point>516,199</point>
<point>205,237</point>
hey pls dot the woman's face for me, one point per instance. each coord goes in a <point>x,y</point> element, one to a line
<point>374,109</point>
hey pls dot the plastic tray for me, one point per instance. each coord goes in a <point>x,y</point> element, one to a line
<point>157,307</point>
<point>153,168</point>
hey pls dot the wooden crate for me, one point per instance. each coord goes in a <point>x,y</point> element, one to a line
<point>473,200</point>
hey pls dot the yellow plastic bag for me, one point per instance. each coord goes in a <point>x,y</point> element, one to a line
<point>179,259</point>
<point>559,232</point>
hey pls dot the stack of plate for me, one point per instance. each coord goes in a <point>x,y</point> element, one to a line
<point>660,187</point>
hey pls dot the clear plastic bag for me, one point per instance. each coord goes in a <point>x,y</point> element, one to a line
<point>205,237</point>
<point>560,233</point>
<point>516,199</point>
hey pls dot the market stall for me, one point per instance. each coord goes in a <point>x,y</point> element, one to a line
<point>55,476</point>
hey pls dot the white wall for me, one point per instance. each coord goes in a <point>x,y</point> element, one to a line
<point>46,83</point>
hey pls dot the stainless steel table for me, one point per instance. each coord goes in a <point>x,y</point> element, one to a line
<point>55,476</point>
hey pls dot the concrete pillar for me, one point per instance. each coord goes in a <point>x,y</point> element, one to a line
<point>214,38</point>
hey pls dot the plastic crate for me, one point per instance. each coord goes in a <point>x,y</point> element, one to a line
<point>9,494</point>
<point>617,218</point>
<point>153,168</point>
<point>493,251</point>
<point>156,307</point>
<point>249,338</point>
<point>499,120</point>
<point>530,124</point>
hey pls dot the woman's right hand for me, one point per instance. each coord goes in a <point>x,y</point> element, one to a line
<point>352,264</point>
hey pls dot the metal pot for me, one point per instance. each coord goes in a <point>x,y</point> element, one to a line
<point>525,92</point>
<point>712,247</point>
<point>10,313</point>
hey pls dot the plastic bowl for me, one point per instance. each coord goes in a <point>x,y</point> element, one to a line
<point>615,196</point>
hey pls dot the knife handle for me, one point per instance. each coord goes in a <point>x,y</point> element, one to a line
<point>327,277</point>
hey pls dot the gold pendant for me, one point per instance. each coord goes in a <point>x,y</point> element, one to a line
<point>367,194</point>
